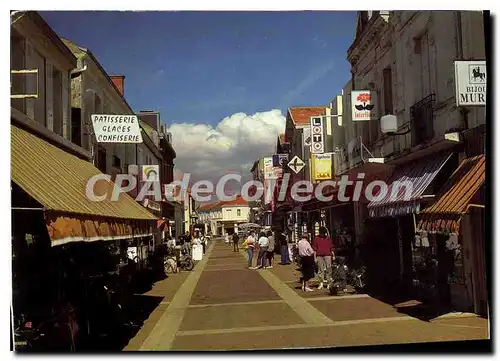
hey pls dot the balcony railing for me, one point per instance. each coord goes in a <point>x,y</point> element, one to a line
<point>422,120</point>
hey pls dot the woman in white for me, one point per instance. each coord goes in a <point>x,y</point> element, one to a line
<point>306,254</point>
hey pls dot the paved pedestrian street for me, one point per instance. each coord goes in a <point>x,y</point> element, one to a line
<point>222,305</point>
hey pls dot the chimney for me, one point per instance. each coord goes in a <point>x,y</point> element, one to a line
<point>119,81</point>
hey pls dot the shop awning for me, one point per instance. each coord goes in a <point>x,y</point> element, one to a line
<point>58,181</point>
<point>445,214</point>
<point>420,175</point>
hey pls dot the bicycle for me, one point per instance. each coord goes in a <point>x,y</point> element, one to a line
<point>172,262</point>
<point>343,276</point>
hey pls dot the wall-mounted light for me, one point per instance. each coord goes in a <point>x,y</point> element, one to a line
<point>389,125</point>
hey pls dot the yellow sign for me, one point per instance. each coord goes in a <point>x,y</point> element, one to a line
<point>321,166</point>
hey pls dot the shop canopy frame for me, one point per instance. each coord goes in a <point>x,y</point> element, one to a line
<point>457,196</point>
<point>58,180</point>
<point>421,174</point>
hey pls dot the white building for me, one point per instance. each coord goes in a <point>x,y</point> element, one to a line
<point>223,218</point>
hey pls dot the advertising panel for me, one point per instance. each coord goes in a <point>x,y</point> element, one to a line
<point>321,167</point>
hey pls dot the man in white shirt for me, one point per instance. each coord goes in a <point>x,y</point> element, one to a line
<point>263,245</point>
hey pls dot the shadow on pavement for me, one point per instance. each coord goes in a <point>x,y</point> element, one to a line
<point>141,307</point>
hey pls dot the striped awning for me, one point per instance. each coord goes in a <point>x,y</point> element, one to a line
<point>452,203</point>
<point>406,187</point>
<point>59,181</point>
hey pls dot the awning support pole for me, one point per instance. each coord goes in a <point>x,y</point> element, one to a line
<point>27,209</point>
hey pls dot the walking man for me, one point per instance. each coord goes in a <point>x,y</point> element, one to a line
<point>270,249</point>
<point>323,246</point>
<point>283,241</point>
<point>235,242</point>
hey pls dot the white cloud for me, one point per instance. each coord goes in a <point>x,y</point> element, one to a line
<point>233,145</point>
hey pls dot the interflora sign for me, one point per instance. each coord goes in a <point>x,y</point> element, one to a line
<point>362,105</point>
<point>321,166</point>
<point>116,128</point>
<point>151,173</point>
<point>317,135</point>
<point>470,83</point>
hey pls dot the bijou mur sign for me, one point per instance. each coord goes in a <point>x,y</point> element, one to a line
<point>470,82</point>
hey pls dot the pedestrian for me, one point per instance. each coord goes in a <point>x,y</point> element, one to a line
<point>263,244</point>
<point>249,245</point>
<point>284,253</point>
<point>235,242</point>
<point>226,238</point>
<point>270,249</point>
<point>323,246</point>
<point>306,254</point>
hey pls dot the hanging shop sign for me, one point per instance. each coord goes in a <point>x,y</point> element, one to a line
<point>268,168</point>
<point>470,83</point>
<point>363,104</point>
<point>116,128</point>
<point>321,166</point>
<point>296,164</point>
<point>307,141</point>
<point>151,173</point>
<point>317,135</point>
<point>280,160</point>
<point>151,204</point>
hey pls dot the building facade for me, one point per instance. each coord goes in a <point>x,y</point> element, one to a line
<point>222,218</point>
<point>395,56</point>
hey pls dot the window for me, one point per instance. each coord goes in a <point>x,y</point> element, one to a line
<point>40,103</point>
<point>97,104</point>
<point>57,101</point>
<point>238,212</point>
<point>18,62</point>
<point>388,107</point>
<point>101,159</point>
<point>117,162</point>
<point>76,126</point>
<point>422,120</point>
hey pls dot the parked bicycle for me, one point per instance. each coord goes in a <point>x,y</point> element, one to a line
<point>343,276</point>
<point>173,262</point>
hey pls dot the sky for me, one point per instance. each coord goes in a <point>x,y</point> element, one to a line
<point>221,80</point>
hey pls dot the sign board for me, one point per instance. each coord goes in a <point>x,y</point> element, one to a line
<point>268,168</point>
<point>132,253</point>
<point>116,128</point>
<point>470,83</point>
<point>151,204</point>
<point>321,166</point>
<point>296,164</point>
<point>151,173</point>
<point>307,137</point>
<point>280,160</point>
<point>317,135</point>
<point>362,103</point>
